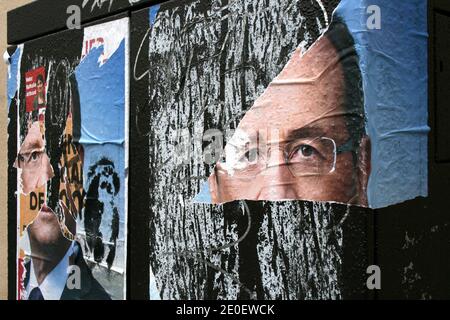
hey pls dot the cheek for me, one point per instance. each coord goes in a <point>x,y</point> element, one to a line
<point>29,174</point>
<point>345,168</point>
<point>343,180</point>
<point>230,184</point>
<point>336,186</point>
<point>229,188</point>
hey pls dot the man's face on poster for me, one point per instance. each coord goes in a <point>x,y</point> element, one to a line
<point>295,142</point>
<point>33,161</point>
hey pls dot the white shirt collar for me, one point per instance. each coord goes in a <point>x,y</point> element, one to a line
<point>55,282</point>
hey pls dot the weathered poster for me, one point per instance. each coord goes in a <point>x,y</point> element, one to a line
<point>35,93</point>
<point>268,132</point>
<point>70,91</point>
<point>272,125</point>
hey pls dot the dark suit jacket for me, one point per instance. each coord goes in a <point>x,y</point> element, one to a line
<point>90,288</point>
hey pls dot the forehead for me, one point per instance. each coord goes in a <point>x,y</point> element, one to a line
<point>310,87</point>
<point>33,140</point>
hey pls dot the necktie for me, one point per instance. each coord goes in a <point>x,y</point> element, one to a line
<point>36,294</point>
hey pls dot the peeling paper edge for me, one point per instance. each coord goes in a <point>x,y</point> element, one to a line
<point>17,194</point>
<point>126,151</point>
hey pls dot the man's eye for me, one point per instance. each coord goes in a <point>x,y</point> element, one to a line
<point>21,158</point>
<point>304,151</point>
<point>34,155</point>
<point>251,155</point>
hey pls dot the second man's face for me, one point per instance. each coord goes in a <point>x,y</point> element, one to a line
<point>33,161</point>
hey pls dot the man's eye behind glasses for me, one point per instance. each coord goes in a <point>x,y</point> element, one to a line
<point>34,156</point>
<point>240,160</point>
<point>251,162</point>
<point>304,151</point>
<point>251,156</point>
<point>315,157</point>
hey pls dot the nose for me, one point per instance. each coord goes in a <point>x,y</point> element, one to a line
<point>276,180</point>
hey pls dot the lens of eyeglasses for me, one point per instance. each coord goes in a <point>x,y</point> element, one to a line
<point>312,157</point>
<point>30,160</point>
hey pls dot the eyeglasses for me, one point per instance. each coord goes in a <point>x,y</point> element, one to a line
<point>32,159</point>
<point>303,157</point>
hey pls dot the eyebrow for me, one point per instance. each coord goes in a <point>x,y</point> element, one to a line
<point>306,132</point>
<point>34,146</point>
<point>311,131</point>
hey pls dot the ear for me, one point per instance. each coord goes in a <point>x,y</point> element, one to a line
<point>363,170</point>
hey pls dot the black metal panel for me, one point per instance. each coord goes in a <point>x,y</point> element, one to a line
<point>48,16</point>
<point>138,182</point>
<point>442,75</point>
